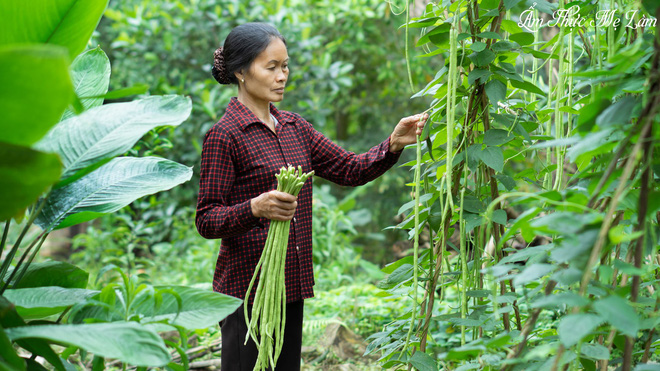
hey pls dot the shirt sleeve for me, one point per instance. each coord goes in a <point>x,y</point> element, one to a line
<point>216,217</point>
<point>343,167</point>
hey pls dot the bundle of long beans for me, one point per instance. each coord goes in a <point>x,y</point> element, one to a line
<point>266,324</point>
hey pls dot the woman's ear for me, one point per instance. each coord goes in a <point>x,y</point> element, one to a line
<point>239,76</point>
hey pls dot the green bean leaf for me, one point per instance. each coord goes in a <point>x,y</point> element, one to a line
<point>595,351</point>
<point>496,91</point>
<point>479,74</point>
<point>497,137</point>
<point>522,38</point>
<point>423,362</point>
<point>482,58</point>
<point>573,327</point>
<point>478,46</point>
<point>528,86</point>
<point>493,157</point>
<point>619,313</point>
<point>508,182</point>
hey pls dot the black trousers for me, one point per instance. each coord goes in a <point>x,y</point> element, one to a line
<point>238,357</point>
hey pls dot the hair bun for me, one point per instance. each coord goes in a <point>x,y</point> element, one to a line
<point>219,70</point>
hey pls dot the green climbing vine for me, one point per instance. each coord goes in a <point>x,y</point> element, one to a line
<point>539,190</point>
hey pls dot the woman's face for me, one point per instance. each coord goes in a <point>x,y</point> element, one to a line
<point>268,73</point>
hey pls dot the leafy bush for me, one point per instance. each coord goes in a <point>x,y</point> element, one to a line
<point>58,174</point>
<point>514,158</point>
<point>347,76</point>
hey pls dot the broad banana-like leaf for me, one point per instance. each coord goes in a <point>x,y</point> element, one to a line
<point>110,130</point>
<point>50,273</point>
<point>109,188</point>
<point>90,72</point>
<point>8,354</point>
<point>127,341</point>
<point>9,318</point>
<point>200,308</point>
<point>24,175</point>
<point>69,23</point>
<point>40,302</point>
<point>4,366</point>
<point>35,89</point>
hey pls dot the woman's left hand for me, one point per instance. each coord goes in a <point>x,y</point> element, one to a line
<point>406,131</point>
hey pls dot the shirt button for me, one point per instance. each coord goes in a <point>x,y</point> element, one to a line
<point>297,248</point>
<point>294,219</point>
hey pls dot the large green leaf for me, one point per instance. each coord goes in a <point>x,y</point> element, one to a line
<point>69,23</point>
<point>618,113</point>
<point>496,91</point>
<point>423,362</point>
<point>201,308</point>
<point>109,188</point>
<point>532,273</point>
<point>482,58</point>
<point>595,351</point>
<point>479,74</point>
<point>437,34</point>
<point>528,86</point>
<point>90,72</point>
<point>8,354</point>
<point>4,366</point>
<point>522,38</point>
<point>112,129</point>
<point>53,273</point>
<point>595,143</point>
<point>9,318</point>
<point>497,137</point>
<point>493,157</point>
<point>127,341</point>
<point>573,327</point>
<point>24,175</point>
<point>560,300</point>
<point>39,302</point>
<point>35,89</point>
<point>619,313</point>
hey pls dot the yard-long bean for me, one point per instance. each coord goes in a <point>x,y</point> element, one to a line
<point>267,320</point>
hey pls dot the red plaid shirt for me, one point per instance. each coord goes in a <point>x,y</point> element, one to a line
<point>240,158</point>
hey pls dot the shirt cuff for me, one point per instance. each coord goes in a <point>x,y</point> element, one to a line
<point>247,219</point>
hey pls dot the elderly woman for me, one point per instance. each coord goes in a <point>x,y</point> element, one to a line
<point>237,198</point>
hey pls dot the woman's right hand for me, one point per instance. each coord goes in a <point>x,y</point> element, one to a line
<point>274,205</point>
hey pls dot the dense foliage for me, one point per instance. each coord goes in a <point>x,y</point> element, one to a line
<point>63,166</point>
<point>539,174</point>
<point>347,76</point>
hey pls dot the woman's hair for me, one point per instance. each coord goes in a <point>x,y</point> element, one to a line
<point>241,48</point>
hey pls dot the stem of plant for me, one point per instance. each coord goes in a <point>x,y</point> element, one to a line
<point>412,88</point>
<point>558,115</point>
<point>20,262</point>
<point>413,313</point>
<point>27,265</point>
<point>464,268</point>
<point>10,256</point>
<point>5,233</point>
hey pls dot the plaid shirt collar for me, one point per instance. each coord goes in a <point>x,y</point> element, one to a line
<point>239,112</point>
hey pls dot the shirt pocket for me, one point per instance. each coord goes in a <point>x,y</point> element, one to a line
<point>295,148</point>
<point>258,160</point>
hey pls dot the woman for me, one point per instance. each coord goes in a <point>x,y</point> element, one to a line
<point>237,196</point>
